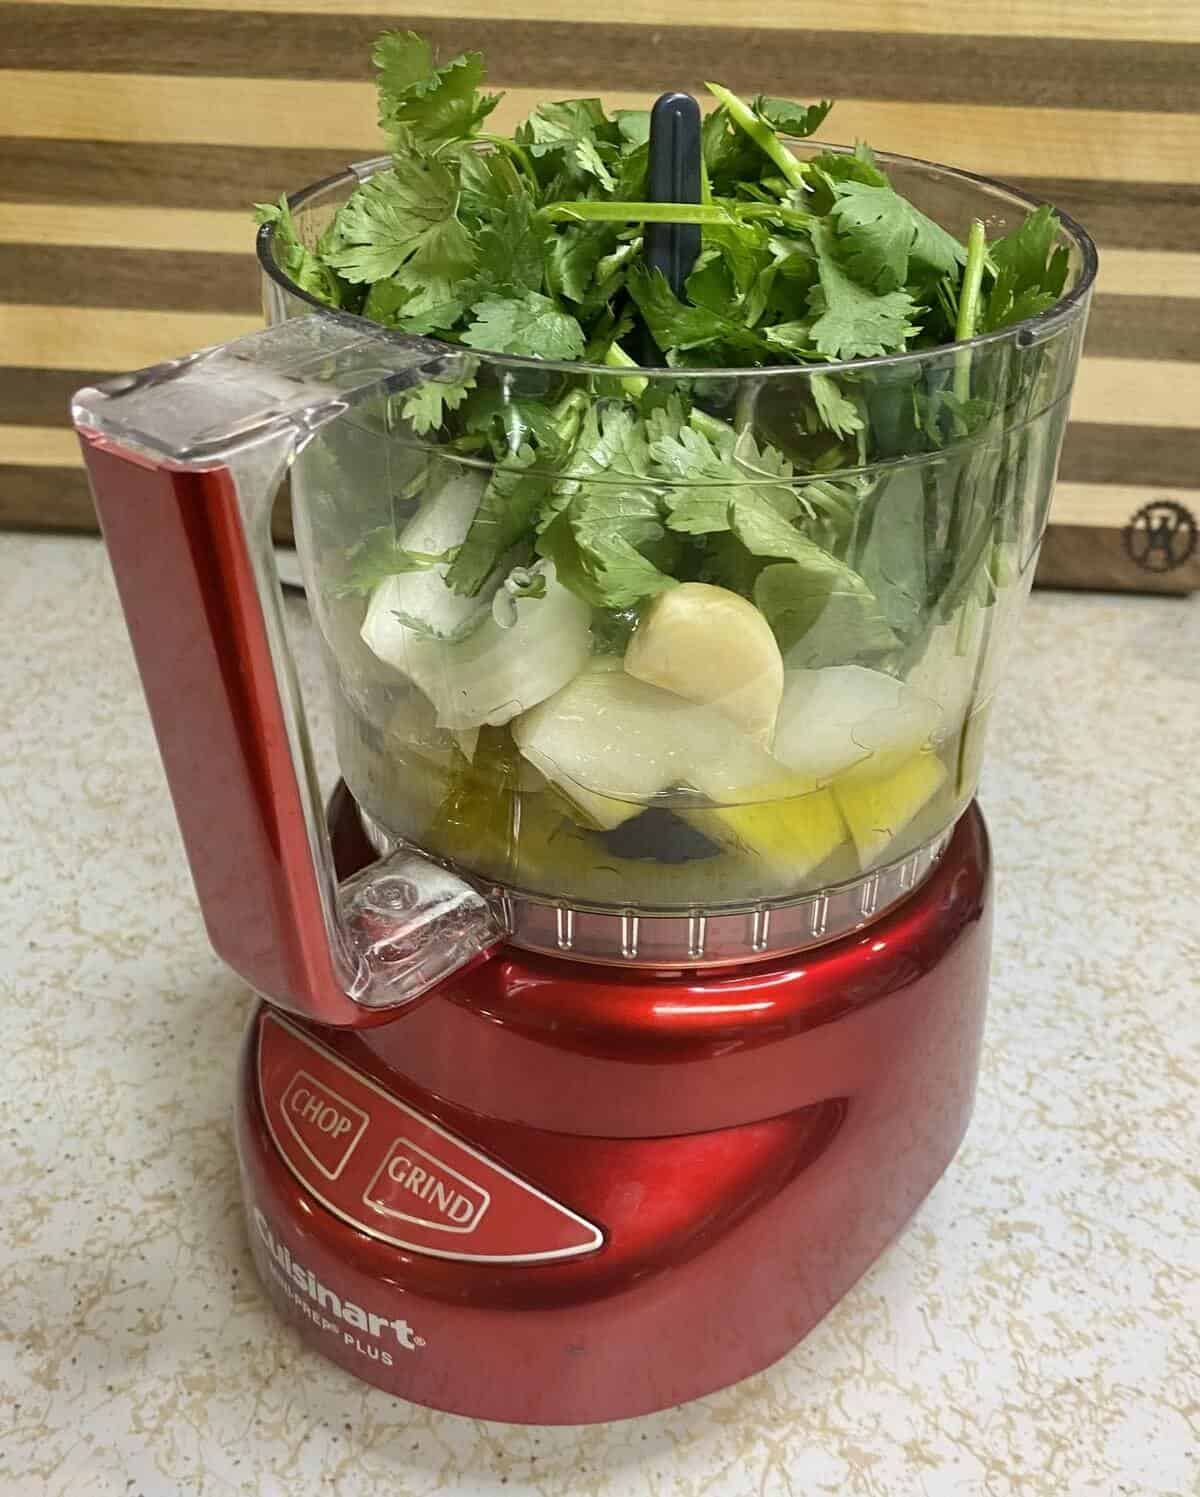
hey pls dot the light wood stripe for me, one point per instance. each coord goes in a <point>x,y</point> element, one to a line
<point>123,227</point>
<point>273,112</point>
<point>1108,504</point>
<point>1109,391</point>
<point>39,446</point>
<point>1122,272</point>
<point>1148,273</point>
<point>1148,20</point>
<point>109,339</point>
<point>1137,392</point>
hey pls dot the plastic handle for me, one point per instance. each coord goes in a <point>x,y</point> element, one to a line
<point>185,460</point>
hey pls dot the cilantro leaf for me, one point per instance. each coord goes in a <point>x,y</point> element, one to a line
<point>674,325</point>
<point>892,559</point>
<point>792,119</point>
<point>293,258</point>
<point>392,303</point>
<point>505,516</point>
<point>851,321</point>
<point>821,611</point>
<point>436,104</point>
<point>512,247</point>
<point>606,511</point>
<point>712,475</point>
<point>765,532</point>
<point>573,265</point>
<point>377,557</point>
<point>879,231</point>
<point>530,325</point>
<point>579,132</point>
<point>1031,271</point>
<point>426,405</point>
<point>593,544</point>
<point>486,182</point>
<point>634,125</point>
<point>875,234</point>
<point>401,223</point>
<point>831,167</point>
<point>836,410</point>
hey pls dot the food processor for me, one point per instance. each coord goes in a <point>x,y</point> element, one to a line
<point>625,1000</point>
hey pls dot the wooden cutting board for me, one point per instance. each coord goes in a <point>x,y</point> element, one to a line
<point>134,136</point>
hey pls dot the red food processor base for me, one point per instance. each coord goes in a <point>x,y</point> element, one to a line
<point>557,1193</point>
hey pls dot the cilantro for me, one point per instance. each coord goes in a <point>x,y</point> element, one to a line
<point>879,232</point>
<point>713,474</point>
<point>401,223</point>
<point>533,245</point>
<point>576,133</point>
<point>377,557</point>
<point>892,559</point>
<point>301,264</point>
<point>851,321</point>
<point>424,101</point>
<point>836,411</point>
<point>672,323</point>
<point>573,263</point>
<point>761,131</point>
<point>822,612</point>
<point>792,119</point>
<point>593,553</point>
<point>505,515</point>
<point>530,324</point>
<point>512,247</point>
<point>1030,271</point>
<point>427,405</point>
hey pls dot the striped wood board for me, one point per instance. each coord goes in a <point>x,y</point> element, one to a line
<point>133,136</point>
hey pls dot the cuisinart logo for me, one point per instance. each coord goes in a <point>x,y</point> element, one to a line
<point>330,1310</point>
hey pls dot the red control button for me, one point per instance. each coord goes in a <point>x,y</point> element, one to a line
<point>412,1186</point>
<point>379,1164</point>
<point>323,1123</point>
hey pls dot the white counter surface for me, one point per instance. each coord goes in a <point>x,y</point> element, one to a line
<point>1034,1333</point>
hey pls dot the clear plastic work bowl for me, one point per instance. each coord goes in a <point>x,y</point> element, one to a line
<point>784,715</point>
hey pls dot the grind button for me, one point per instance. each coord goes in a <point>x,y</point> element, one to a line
<point>325,1125</point>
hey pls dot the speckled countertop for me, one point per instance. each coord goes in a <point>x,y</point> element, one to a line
<point>1035,1332</point>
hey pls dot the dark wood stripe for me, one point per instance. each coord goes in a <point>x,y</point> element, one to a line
<point>39,397</point>
<point>161,176</point>
<point>1094,558</point>
<point>1157,456</point>
<point>156,280</point>
<point>586,56</point>
<point>1145,327</point>
<point>1121,215</point>
<point>36,498</point>
<point>1126,215</point>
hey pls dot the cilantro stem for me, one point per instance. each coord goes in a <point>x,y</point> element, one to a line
<point>759,132</point>
<point>616,358</point>
<point>968,307</point>
<point>711,427</point>
<point>652,213</point>
<point>520,156</point>
<point>718,215</point>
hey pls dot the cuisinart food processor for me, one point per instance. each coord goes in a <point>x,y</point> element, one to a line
<point>625,1000</point>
